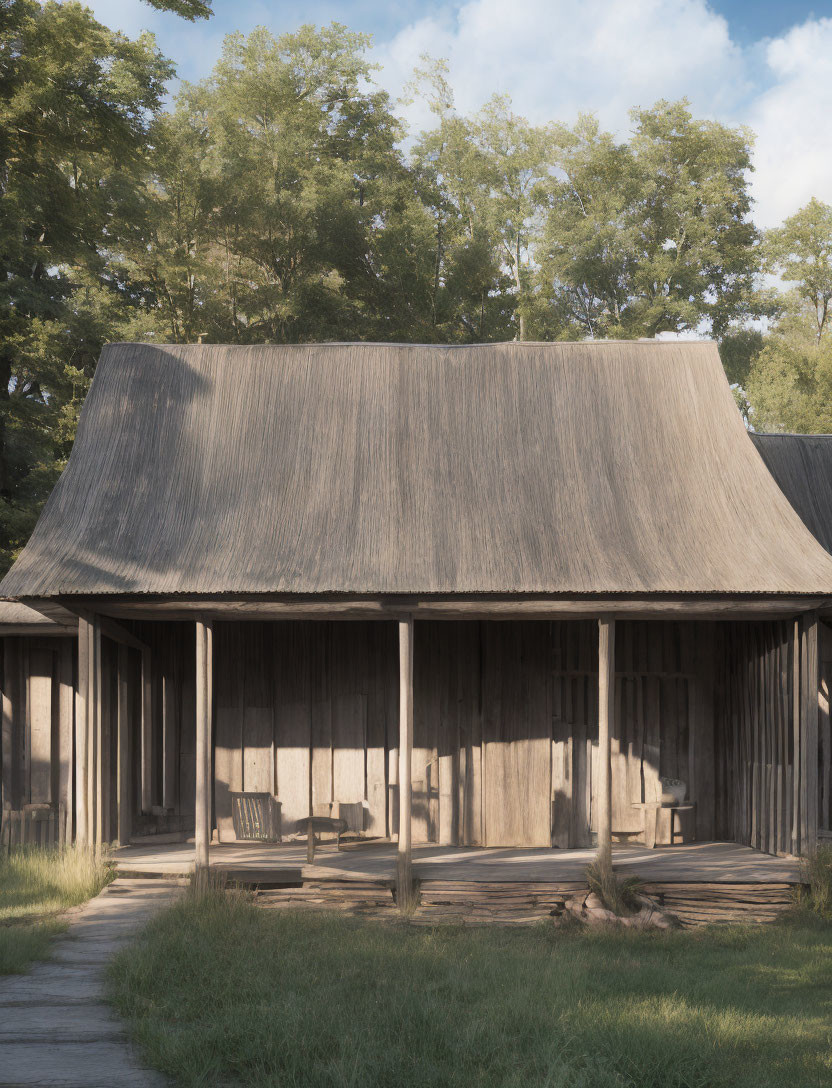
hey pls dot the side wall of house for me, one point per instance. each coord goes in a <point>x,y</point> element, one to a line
<point>505,729</point>
<point>772,734</point>
<point>38,724</point>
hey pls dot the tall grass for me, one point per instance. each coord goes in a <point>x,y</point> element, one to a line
<point>36,885</point>
<point>816,893</point>
<point>219,991</point>
<point>618,894</point>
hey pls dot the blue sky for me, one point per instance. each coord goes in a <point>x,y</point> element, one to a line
<point>761,63</point>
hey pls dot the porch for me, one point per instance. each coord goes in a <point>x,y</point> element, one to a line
<point>700,862</point>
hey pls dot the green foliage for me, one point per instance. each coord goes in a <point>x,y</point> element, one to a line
<point>218,990</point>
<point>738,350</point>
<point>75,99</point>
<point>188,9</point>
<point>653,235</point>
<point>801,252</point>
<point>790,384</point>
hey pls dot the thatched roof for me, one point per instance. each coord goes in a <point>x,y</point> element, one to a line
<point>594,468</point>
<point>802,466</point>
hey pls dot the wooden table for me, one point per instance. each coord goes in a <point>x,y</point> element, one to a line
<point>320,823</point>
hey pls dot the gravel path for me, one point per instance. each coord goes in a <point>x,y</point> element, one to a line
<point>55,1026</point>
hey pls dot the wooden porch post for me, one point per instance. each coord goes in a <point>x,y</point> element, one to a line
<point>147,731</point>
<point>204,700</point>
<point>89,811</point>
<point>123,801</point>
<point>606,714</point>
<point>404,868</point>
<point>82,817</point>
<point>809,734</point>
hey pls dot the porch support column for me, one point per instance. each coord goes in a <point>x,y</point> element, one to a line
<point>123,794</point>
<point>606,712</point>
<point>404,868</point>
<point>147,731</point>
<point>82,771</point>
<point>88,726</point>
<point>204,701</point>
<point>810,688</point>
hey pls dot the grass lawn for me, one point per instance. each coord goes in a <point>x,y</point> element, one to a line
<point>36,885</point>
<point>219,991</point>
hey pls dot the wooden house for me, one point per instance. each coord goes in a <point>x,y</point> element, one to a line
<point>479,595</point>
<point>37,688</point>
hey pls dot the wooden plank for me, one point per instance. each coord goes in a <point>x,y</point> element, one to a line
<point>66,731</point>
<point>447,733</point>
<point>809,747</point>
<point>170,733</point>
<point>349,717</point>
<point>228,750</point>
<point>796,731</point>
<point>293,722</point>
<point>518,745</point>
<point>381,677</point>
<point>204,714</point>
<point>147,731</point>
<point>105,762</point>
<point>124,798</point>
<point>824,728</point>
<point>322,636</point>
<point>41,664</point>
<point>94,729</point>
<point>82,814</point>
<point>606,729</point>
<point>9,800</point>
<point>404,868</point>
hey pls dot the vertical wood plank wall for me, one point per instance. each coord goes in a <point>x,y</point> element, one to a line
<point>38,722</point>
<point>771,739</point>
<point>505,725</point>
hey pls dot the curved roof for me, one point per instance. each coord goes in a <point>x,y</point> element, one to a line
<point>802,466</point>
<point>591,468</point>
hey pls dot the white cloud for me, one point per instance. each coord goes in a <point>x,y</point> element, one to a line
<point>793,155</point>
<point>557,57</point>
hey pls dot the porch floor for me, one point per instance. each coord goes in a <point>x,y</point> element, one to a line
<point>705,862</point>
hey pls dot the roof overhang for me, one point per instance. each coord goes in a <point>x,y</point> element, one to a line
<point>395,607</point>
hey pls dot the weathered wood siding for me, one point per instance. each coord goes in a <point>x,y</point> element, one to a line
<point>505,725</point>
<point>38,718</point>
<point>308,712</point>
<point>825,731</point>
<point>771,737</point>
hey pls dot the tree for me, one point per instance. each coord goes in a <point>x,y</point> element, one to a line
<point>468,296</point>
<point>790,379</point>
<point>75,104</point>
<point>653,235</point>
<point>272,180</point>
<point>790,385</point>
<point>801,252</point>
<point>188,9</point>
